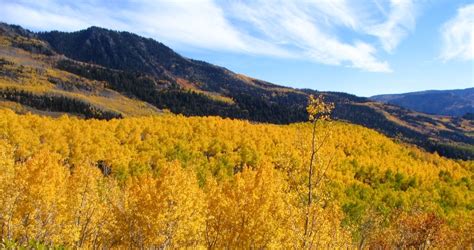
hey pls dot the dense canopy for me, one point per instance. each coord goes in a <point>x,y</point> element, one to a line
<point>175,181</point>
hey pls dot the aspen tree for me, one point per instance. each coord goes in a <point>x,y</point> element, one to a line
<point>317,110</point>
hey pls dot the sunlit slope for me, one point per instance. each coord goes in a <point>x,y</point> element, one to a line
<point>31,80</point>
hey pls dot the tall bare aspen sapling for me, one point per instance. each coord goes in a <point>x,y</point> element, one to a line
<point>317,110</point>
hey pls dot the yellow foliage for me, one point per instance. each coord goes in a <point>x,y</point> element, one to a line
<point>161,212</point>
<point>197,182</point>
<point>250,211</point>
<point>87,207</point>
<point>39,199</point>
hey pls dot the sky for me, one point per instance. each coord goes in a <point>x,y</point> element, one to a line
<point>363,47</point>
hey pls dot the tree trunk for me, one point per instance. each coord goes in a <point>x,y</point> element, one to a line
<point>310,179</point>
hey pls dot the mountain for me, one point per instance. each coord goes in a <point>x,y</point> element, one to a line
<point>100,73</point>
<point>439,102</point>
<point>221,92</point>
<point>30,82</point>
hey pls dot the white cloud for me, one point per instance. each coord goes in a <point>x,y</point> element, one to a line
<point>198,23</point>
<point>332,32</point>
<point>458,35</point>
<point>186,21</point>
<point>58,15</point>
<point>400,21</point>
<point>307,30</point>
<point>36,19</point>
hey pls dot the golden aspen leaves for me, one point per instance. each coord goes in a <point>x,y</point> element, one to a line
<point>205,182</point>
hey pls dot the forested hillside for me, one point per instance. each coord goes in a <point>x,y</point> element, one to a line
<point>174,181</point>
<point>30,83</point>
<point>456,102</point>
<point>99,73</point>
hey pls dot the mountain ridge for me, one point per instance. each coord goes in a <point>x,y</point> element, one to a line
<point>455,102</point>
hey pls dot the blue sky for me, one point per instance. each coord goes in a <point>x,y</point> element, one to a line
<point>355,46</point>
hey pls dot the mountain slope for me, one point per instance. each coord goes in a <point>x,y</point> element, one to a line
<point>29,82</point>
<point>255,100</point>
<point>440,102</point>
<point>145,70</point>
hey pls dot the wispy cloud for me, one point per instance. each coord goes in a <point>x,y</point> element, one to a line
<point>37,18</point>
<point>200,24</point>
<point>197,23</point>
<point>458,35</point>
<point>333,32</point>
<point>306,30</point>
<point>400,21</point>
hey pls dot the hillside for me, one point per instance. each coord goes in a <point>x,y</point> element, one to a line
<point>222,92</point>
<point>103,66</point>
<point>207,182</point>
<point>438,102</point>
<point>30,82</point>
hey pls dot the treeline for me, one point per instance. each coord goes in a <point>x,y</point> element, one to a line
<point>143,63</point>
<point>172,181</point>
<point>258,104</point>
<point>167,94</point>
<point>57,103</point>
<point>370,118</point>
<point>9,71</point>
<point>469,116</point>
